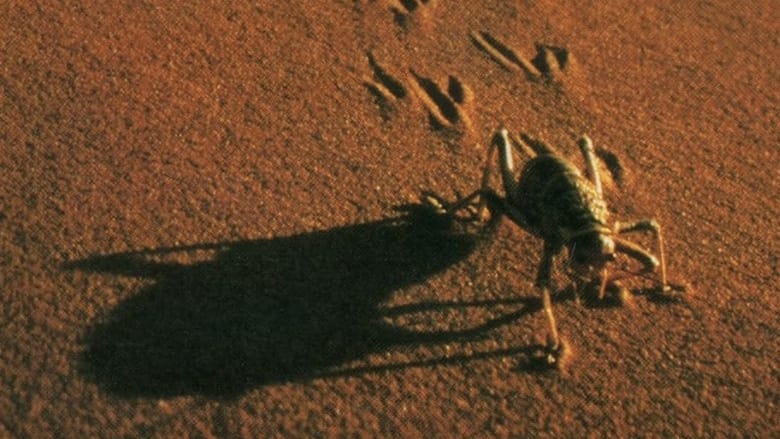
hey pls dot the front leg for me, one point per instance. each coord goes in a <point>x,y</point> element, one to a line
<point>555,348</point>
<point>649,261</point>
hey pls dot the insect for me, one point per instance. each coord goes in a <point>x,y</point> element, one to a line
<point>556,202</point>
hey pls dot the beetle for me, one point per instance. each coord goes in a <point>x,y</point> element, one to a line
<point>553,200</point>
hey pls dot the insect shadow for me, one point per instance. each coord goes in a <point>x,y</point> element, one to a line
<point>268,311</point>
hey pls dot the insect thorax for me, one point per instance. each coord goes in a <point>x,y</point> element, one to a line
<point>557,199</point>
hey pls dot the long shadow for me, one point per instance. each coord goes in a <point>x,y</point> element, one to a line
<point>267,311</point>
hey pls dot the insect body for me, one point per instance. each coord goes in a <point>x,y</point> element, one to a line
<point>553,200</point>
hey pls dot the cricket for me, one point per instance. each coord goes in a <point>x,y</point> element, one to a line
<point>553,200</point>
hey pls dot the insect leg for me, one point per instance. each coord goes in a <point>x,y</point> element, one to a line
<point>535,147</point>
<point>503,146</point>
<point>486,196</point>
<point>543,283</point>
<point>506,163</point>
<point>484,185</point>
<point>526,149</point>
<point>652,226</point>
<point>586,146</point>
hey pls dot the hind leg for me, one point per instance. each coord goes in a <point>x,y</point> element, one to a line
<point>499,145</point>
<point>586,147</point>
<point>485,194</point>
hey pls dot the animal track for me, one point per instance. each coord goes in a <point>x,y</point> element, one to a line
<point>503,54</point>
<point>549,63</point>
<point>551,60</point>
<point>458,91</point>
<point>444,107</point>
<point>404,10</point>
<point>448,102</point>
<point>385,88</point>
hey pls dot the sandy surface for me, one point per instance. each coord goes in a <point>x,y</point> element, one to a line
<point>203,234</point>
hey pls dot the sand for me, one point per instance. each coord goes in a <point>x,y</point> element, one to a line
<point>210,221</point>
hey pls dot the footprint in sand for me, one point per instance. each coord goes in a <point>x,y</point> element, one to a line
<point>549,64</point>
<point>385,88</point>
<point>405,11</point>
<point>447,106</point>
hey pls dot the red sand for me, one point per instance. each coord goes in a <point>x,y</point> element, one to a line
<point>194,221</point>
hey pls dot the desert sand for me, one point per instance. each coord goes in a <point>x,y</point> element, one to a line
<point>210,219</point>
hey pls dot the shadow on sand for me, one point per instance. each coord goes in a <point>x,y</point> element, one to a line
<point>269,311</point>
